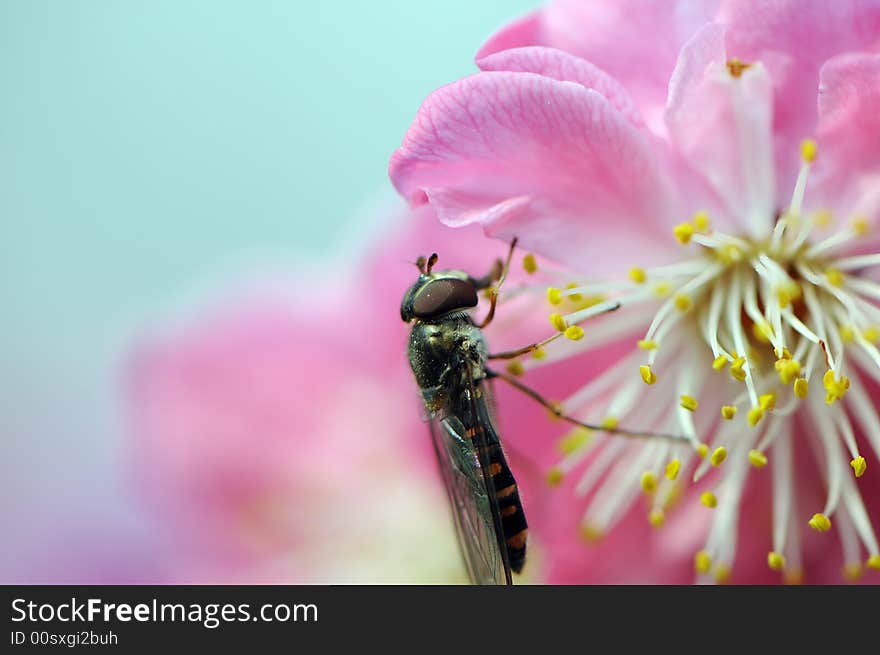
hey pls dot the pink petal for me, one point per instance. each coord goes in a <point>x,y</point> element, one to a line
<point>564,67</point>
<point>551,162</point>
<point>722,125</point>
<point>793,39</point>
<point>525,31</point>
<point>847,171</point>
<point>849,114</point>
<point>635,41</point>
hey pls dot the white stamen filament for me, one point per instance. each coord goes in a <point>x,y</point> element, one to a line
<point>780,323</point>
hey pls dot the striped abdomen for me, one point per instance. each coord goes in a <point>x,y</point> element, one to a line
<point>513,520</point>
<point>477,419</point>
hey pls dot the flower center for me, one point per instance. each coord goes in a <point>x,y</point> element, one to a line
<point>745,331</point>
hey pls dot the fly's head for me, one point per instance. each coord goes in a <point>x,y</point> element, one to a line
<point>436,295</point>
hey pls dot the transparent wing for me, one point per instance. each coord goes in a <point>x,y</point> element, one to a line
<point>471,503</point>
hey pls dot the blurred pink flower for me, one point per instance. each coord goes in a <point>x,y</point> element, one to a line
<point>715,168</point>
<point>89,551</point>
<point>280,438</point>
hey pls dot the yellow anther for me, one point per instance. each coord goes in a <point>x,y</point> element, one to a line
<point>801,388</point>
<point>529,264</point>
<point>858,465</point>
<point>788,369</point>
<point>861,226</point>
<point>689,403</point>
<point>757,459</point>
<point>656,517</point>
<point>682,302</point>
<point>792,220</point>
<point>591,533</point>
<point>874,562</point>
<point>574,332</point>
<point>672,495</point>
<point>762,332</point>
<point>554,295</point>
<point>708,499</point>
<point>683,232</point>
<point>638,275</point>
<point>728,254</point>
<point>515,368</point>
<point>852,572</point>
<point>722,573</point>
<point>736,67</point>
<point>820,523</point>
<point>767,402</point>
<point>539,353</point>
<point>834,277</point>
<point>649,482</point>
<point>662,289</point>
<point>574,441</point>
<point>823,218</point>
<point>648,376</point>
<point>808,150</point>
<point>672,469</point>
<point>793,577</point>
<point>610,422</point>
<point>558,322</point>
<point>574,297</point>
<point>580,302</point>
<point>702,562</point>
<point>648,344</point>
<point>737,370</point>
<point>775,561</point>
<point>701,221</point>
<point>728,412</point>
<point>835,387</point>
<point>784,297</point>
<point>871,334</point>
<point>702,450</point>
<point>755,416</point>
<point>720,362</point>
<point>718,456</point>
<point>554,477</point>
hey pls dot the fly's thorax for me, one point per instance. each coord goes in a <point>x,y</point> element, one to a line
<point>441,352</point>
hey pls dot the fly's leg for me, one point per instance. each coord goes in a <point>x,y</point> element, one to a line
<point>499,273</point>
<point>532,347</point>
<point>557,411</point>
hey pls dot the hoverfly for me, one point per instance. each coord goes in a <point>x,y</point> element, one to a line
<point>449,356</point>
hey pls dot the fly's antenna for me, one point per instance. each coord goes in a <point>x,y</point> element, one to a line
<point>431,261</point>
<point>420,264</point>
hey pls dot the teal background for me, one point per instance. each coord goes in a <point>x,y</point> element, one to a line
<point>151,152</point>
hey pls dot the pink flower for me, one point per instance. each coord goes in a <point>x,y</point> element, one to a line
<point>715,169</point>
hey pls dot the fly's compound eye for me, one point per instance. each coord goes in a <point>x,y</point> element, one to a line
<point>442,296</point>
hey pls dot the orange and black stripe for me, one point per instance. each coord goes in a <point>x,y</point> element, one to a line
<point>513,519</point>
